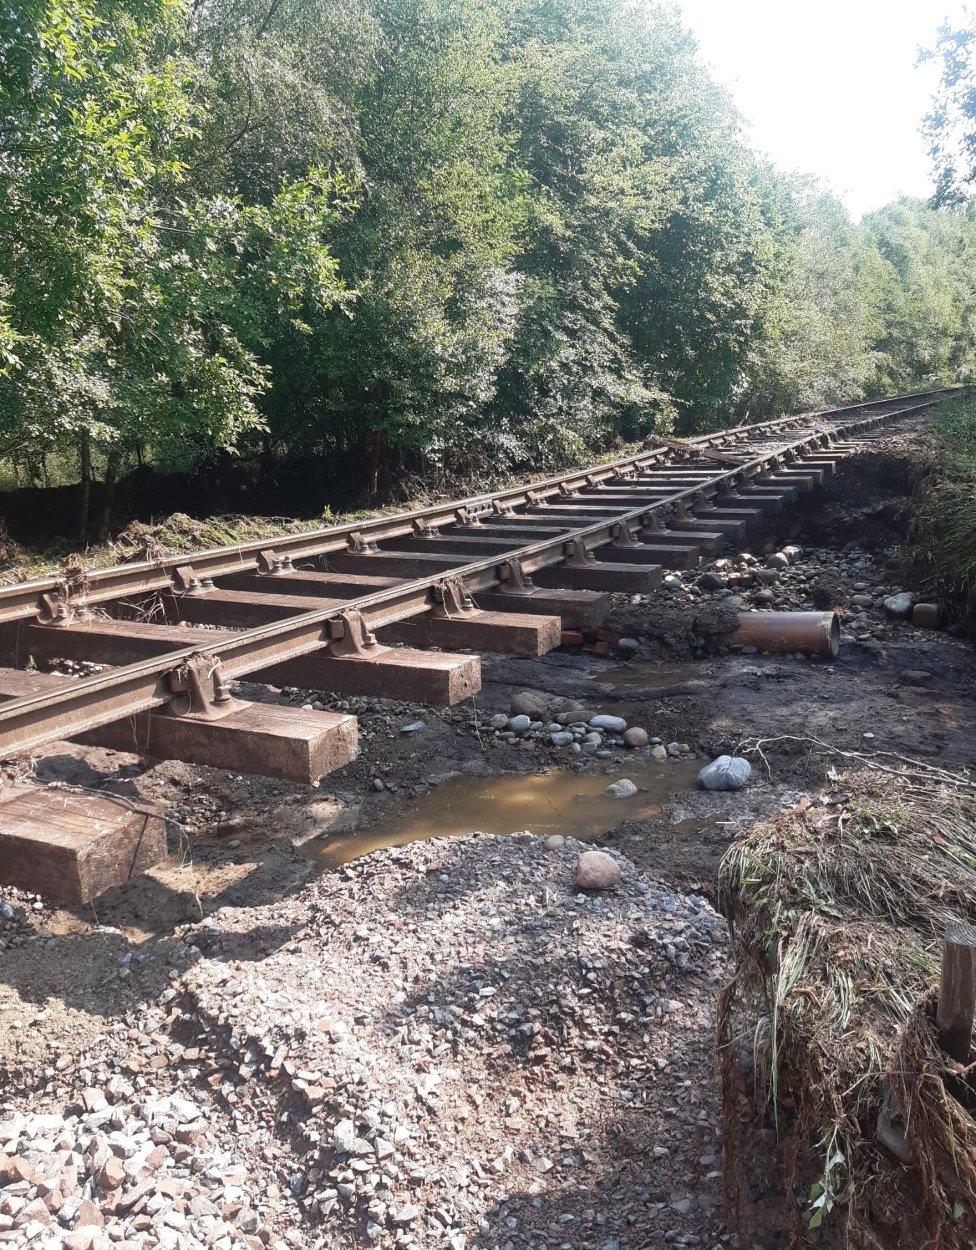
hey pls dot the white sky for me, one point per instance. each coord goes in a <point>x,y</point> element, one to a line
<point>830,88</point>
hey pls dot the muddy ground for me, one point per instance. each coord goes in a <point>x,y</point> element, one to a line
<point>80,988</point>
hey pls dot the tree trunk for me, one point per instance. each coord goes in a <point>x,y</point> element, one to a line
<point>108,497</point>
<point>375,455</point>
<point>84,456</point>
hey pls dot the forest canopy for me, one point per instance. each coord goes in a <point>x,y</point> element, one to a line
<point>344,241</point>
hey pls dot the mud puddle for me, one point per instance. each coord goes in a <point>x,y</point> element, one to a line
<point>572,804</point>
<point>647,675</point>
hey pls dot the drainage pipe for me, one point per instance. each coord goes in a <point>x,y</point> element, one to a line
<point>815,633</point>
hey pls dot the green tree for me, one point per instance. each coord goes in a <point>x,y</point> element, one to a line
<point>951,125</point>
<point>130,302</point>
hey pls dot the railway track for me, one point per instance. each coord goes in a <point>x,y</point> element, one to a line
<point>356,609</point>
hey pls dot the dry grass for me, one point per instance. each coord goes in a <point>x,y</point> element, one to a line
<point>838,912</point>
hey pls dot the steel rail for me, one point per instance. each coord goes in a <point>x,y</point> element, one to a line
<point>26,599</point>
<point>91,702</point>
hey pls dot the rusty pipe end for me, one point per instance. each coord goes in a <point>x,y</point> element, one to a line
<point>813,633</point>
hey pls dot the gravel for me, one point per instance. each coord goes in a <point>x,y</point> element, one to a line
<point>464,1050</point>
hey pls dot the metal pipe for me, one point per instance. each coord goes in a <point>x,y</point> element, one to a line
<point>814,633</point>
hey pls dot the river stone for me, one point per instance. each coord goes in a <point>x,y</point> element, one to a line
<point>635,737</point>
<point>927,615</point>
<point>597,870</point>
<point>728,772</point>
<point>527,703</point>
<point>627,647</point>
<point>621,789</point>
<point>778,561</point>
<point>897,607</point>
<point>659,752</point>
<point>561,739</point>
<point>613,724</point>
<point>499,721</point>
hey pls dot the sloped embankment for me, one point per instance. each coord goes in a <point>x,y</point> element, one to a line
<point>839,907</point>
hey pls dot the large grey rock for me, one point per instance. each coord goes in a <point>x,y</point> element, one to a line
<point>597,870</point>
<point>898,607</point>
<point>635,737</point>
<point>613,724</point>
<point>519,724</point>
<point>627,647</point>
<point>621,789</point>
<point>527,703</point>
<point>561,739</point>
<point>728,772</point>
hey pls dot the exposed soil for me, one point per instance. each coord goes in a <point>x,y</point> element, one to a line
<point>400,945</point>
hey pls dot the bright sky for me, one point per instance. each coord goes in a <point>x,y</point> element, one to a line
<point>830,88</point>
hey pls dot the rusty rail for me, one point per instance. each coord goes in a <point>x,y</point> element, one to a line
<point>28,599</point>
<point>77,706</point>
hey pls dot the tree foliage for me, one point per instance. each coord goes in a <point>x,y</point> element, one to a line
<point>951,125</point>
<point>348,239</point>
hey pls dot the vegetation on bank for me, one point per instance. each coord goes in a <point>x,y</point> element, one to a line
<point>839,909</point>
<point>940,551</point>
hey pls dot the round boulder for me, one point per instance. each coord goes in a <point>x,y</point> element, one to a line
<point>728,772</point>
<point>635,737</point>
<point>621,789</point>
<point>898,607</point>
<point>597,870</point>
<point>612,724</point>
<point>528,703</point>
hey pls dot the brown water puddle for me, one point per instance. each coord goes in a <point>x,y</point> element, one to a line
<point>573,804</point>
<point>647,676</point>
